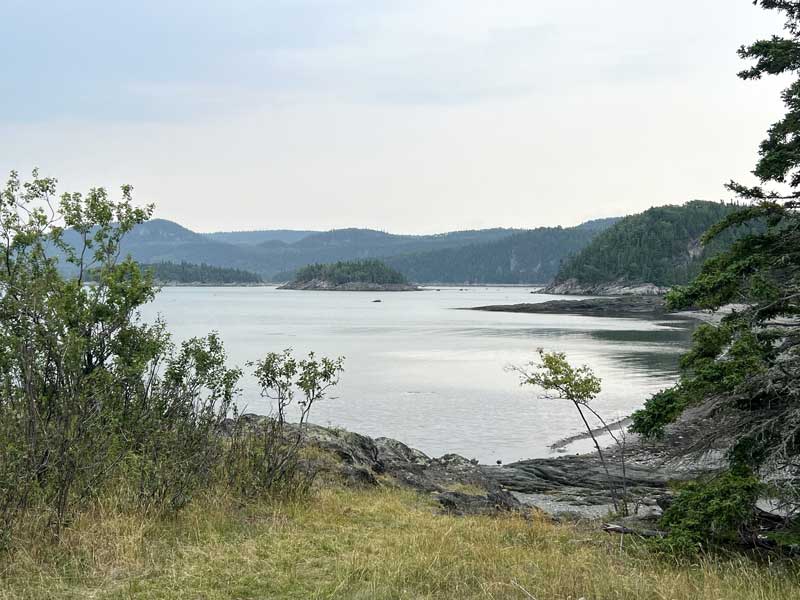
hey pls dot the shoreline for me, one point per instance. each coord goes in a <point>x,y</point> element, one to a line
<point>652,307</point>
<point>568,486</point>
<point>597,431</point>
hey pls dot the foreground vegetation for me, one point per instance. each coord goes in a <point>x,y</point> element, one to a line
<point>744,373</point>
<point>96,403</point>
<point>373,543</point>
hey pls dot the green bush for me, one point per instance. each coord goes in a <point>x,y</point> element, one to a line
<point>92,397</point>
<point>714,512</point>
<point>264,457</point>
<point>659,410</point>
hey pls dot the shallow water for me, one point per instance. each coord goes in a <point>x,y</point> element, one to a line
<point>431,376</point>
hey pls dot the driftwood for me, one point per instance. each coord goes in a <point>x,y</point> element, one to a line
<point>614,528</point>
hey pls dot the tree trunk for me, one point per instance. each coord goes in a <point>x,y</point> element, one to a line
<point>612,488</point>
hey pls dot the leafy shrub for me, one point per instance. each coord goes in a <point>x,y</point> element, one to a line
<point>74,357</point>
<point>91,397</point>
<point>176,436</point>
<point>659,410</point>
<point>715,512</point>
<point>264,457</point>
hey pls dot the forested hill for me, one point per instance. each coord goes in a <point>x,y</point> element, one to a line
<point>267,253</point>
<point>660,246</point>
<point>526,257</point>
<point>474,256</point>
<point>246,238</point>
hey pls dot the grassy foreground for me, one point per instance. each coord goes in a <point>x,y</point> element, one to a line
<point>377,543</point>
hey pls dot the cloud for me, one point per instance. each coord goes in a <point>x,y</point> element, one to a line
<point>172,60</point>
<point>407,115</point>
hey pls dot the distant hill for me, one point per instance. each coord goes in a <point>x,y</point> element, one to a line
<point>599,224</point>
<point>282,236</point>
<point>660,247</point>
<point>481,256</point>
<point>351,244</point>
<point>160,241</point>
<point>525,257</point>
<point>372,242</point>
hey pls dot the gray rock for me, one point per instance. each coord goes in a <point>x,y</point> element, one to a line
<point>559,486</point>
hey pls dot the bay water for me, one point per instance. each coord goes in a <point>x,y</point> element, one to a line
<point>419,370</point>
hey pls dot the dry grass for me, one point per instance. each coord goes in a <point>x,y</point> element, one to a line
<point>370,544</point>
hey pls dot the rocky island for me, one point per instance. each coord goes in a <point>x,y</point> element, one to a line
<point>350,276</point>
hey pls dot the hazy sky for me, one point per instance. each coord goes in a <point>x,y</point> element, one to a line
<point>405,115</point>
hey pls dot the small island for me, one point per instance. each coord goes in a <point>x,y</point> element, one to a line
<point>350,276</point>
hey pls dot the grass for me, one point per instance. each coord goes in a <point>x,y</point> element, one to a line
<point>371,544</point>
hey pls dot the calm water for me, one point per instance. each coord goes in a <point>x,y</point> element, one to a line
<point>426,374</point>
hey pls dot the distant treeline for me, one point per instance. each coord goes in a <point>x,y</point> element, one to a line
<point>661,246</point>
<point>184,272</point>
<point>360,271</point>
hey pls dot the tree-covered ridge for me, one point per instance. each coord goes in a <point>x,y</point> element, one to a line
<point>525,257</point>
<point>184,272</point>
<point>356,271</point>
<point>659,246</point>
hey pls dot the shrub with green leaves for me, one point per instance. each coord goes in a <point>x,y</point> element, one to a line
<point>661,409</point>
<point>90,395</point>
<point>264,458</point>
<point>715,512</point>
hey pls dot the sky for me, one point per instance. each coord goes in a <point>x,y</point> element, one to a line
<point>411,116</point>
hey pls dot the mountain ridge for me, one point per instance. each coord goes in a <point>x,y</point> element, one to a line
<point>645,253</point>
<point>494,255</point>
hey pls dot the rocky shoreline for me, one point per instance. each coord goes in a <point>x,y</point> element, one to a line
<point>572,287</point>
<point>621,306</point>
<point>565,487</point>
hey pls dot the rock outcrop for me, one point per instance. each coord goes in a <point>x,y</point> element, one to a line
<point>565,487</point>
<point>572,287</point>
<point>625,306</point>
